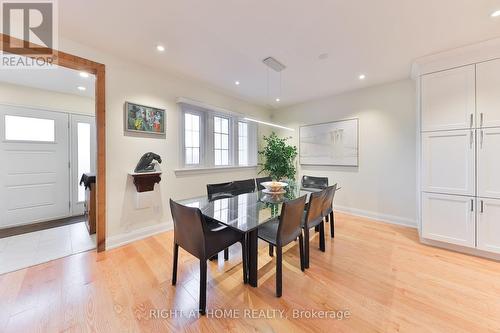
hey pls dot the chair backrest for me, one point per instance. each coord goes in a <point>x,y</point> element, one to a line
<point>314,182</point>
<point>189,228</point>
<point>261,180</point>
<point>244,186</point>
<point>229,189</point>
<point>328,200</point>
<point>290,223</point>
<point>316,208</point>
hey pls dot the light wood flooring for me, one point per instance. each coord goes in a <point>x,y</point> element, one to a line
<point>378,272</point>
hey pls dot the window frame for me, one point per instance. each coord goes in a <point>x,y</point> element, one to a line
<point>207,138</point>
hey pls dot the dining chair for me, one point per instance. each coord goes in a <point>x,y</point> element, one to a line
<point>259,181</point>
<point>203,239</point>
<point>314,184</point>
<point>328,208</point>
<point>282,231</point>
<point>313,218</point>
<point>228,190</point>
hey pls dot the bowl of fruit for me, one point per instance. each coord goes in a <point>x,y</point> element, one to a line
<point>274,187</point>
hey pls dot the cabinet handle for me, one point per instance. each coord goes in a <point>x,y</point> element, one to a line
<point>471,205</point>
<point>482,138</point>
<point>471,141</point>
<point>471,120</point>
<point>482,206</point>
<point>481,120</point>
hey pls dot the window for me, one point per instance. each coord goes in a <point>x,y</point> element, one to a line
<point>242,143</point>
<point>221,141</point>
<point>192,139</point>
<point>29,129</point>
<point>214,138</point>
<point>83,147</point>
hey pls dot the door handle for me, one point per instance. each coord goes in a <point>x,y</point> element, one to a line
<point>471,205</point>
<point>482,206</point>
<point>471,120</point>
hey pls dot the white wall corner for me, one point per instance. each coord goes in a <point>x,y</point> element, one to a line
<point>392,219</point>
<point>137,234</point>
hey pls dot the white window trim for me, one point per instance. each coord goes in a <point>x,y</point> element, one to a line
<point>207,140</point>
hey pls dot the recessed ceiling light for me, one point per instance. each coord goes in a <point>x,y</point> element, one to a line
<point>237,83</point>
<point>496,13</point>
<point>362,76</point>
<point>160,48</point>
<point>81,88</point>
<point>277,99</point>
<point>84,74</point>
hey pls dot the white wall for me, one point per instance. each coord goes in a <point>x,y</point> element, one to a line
<point>44,99</point>
<point>130,82</point>
<point>384,184</point>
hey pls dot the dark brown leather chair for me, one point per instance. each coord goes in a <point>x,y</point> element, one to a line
<point>313,218</point>
<point>328,208</point>
<point>228,190</point>
<point>285,230</point>
<point>203,239</point>
<point>314,184</point>
<point>259,181</point>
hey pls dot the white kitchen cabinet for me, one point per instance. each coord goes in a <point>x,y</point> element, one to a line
<point>488,163</point>
<point>448,162</point>
<point>448,99</point>
<point>488,224</point>
<point>449,218</point>
<point>488,96</point>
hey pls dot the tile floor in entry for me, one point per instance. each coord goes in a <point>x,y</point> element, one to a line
<point>33,248</point>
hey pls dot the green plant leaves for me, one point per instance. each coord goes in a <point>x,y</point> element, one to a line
<point>279,158</point>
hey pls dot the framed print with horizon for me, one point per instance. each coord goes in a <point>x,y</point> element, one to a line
<point>333,143</point>
<point>144,119</point>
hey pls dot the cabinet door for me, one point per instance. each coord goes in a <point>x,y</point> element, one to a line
<point>488,225</point>
<point>448,218</point>
<point>488,97</point>
<point>488,163</point>
<point>448,162</point>
<point>448,99</point>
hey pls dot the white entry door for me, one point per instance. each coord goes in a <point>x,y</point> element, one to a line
<point>34,169</point>
<point>83,155</point>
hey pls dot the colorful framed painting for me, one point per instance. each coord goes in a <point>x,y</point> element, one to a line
<point>144,119</point>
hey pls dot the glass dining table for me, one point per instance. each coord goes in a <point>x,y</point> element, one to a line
<point>245,212</point>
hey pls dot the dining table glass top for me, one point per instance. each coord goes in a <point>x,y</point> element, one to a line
<point>245,211</point>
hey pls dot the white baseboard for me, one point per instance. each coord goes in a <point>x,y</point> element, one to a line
<point>377,216</point>
<point>137,234</point>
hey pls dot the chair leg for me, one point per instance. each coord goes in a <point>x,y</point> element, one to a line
<point>316,228</point>
<point>279,266</point>
<point>301,250</point>
<point>226,254</point>
<point>271,250</point>
<point>244,260</point>
<point>174,265</point>
<point>203,286</point>
<point>332,225</point>
<point>306,247</point>
<point>322,236</point>
<point>327,218</point>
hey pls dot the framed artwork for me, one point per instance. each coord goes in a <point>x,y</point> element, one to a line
<point>333,143</point>
<point>144,119</point>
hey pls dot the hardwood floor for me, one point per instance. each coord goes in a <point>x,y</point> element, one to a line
<point>378,272</point>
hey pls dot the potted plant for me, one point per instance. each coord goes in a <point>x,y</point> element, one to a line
<point>278,158</point>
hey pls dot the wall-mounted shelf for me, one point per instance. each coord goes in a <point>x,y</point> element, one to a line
<point>145,181</point>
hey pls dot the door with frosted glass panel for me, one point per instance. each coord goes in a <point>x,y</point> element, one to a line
<point>83,150</point>
<point>34,172</point>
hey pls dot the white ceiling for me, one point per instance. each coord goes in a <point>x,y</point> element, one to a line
<point>59,79</point>
<point>220,41</point>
